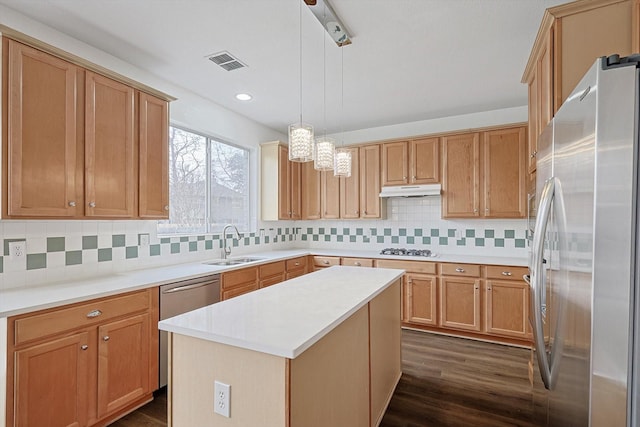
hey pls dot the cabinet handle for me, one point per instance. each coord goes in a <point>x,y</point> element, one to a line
<point>404,177</point>
<point>477,287</point>
<point>166,207</point>
<point>92,204</point>
<point>486,209</point>
<point>297,264</point>
<point>84,347</point>
<point>459,270</point>
<point>72,204</point>
<point>365,212</point>
<point>93,313</point>
<point>357,264</point>
<point>414,177</point>
<point>532,156</point>
<point>475,210</point>
<point>105,338</point>
<point>506,273</point>
<point>325,262</point>
<point>488,288</point>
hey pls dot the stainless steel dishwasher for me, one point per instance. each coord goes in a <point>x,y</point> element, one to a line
<point>180,297</point>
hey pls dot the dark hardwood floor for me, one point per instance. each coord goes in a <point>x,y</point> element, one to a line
<point>446,381</point>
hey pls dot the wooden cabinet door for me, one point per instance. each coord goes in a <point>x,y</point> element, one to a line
<point>504,194</point>
<point>284,184</point>
<point>507,305</point>
<point>123,362</point>
<point>395,161</point>
<point>424,161</point>
<point>532,140</point>
<point>296,194</point>
<point>370,203</point>
<point>153,140</point>
<point>461,176</point>
<point>350,189</point>
<point>460,303</point>
<point>51,383</point>
<point>545,84</point>
<point>330,198</point>
<point>109,148</point>
<point>421,299</point>
<point>43,169</point>
<point>310,192</point>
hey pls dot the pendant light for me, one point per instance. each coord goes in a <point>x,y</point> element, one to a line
<point>301,134</point>
<point>325,146</point>
<point>342,156</point>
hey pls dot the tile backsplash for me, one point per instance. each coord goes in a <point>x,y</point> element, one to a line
<point>66,250</point>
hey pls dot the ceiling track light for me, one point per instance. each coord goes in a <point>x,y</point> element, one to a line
<point>329,20</point>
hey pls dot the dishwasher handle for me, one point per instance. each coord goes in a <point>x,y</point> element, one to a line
<point>188,287</point>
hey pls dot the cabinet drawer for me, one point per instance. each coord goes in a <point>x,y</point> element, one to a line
<point>79,316</point>
<point>296,263</point>
<point>357,262</point>
<point>467,270</point>
<point>506,272</point>
<point>295,273</point>
<point>271,269</point>
<point>239,290</point>
<point>239,277</point>
<point>409,266</point>
<point>272,280</point>
<point>326,261</point>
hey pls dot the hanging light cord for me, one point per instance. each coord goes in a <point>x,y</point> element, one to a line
<point>342,95</point>
<point>324,71</point>
<point>300,10</point>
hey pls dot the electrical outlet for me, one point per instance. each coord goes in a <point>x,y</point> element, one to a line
<point>17,250</point>
<point>143,240</point>
<point>222,399</point>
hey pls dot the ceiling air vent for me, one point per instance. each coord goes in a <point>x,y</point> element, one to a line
<point>226,61</point>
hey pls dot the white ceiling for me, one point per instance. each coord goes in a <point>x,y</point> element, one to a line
<point>410,59</point>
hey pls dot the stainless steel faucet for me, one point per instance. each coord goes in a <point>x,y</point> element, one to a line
<point>227,249</point>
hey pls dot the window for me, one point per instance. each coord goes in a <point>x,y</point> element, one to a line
<point>208,185</point>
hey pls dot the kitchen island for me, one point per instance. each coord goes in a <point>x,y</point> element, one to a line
<point>319,350</point>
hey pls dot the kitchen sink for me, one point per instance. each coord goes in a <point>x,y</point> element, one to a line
<point>233,261</point>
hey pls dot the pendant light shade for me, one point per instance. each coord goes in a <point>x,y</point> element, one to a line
<point>324,157</point>
<point>342,163</point>
<point>300,142</point>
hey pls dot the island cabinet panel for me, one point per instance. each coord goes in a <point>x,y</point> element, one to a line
<point>384,346</point>
<point>460,303</point>
<point>420,299</point>
<point>333,373</point>
<point>52,382</point>
<point>43,148</point>
<point>89,371</point>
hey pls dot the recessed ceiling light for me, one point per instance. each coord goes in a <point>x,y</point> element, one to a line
<point>243,97</point>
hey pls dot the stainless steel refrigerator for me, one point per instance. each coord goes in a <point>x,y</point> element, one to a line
<point>584,254</point>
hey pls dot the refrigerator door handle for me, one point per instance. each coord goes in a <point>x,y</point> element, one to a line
<point>537,278</point>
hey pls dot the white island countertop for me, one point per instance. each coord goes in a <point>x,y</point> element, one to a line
<point>286,319</point>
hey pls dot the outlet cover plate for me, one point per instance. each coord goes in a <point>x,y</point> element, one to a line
<point>17,250</point>
<point>222,399</point>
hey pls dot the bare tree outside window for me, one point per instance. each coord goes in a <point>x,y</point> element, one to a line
<point>225,174</point>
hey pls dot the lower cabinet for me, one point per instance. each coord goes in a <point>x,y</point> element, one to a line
<point>83,364</point>
<point>460,303</point>
<point>271,273</point>
<point>296,267</point>
<point>320,262</point>
<point>420,302</point>
<point>507,302</point>
<point>238,282</point>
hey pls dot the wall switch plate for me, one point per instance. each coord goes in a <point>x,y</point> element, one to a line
<point>143,239</point>
<point>222,399</point>
<point>17,250</point>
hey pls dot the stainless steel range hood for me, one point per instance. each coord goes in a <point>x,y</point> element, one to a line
<point>411,190</point>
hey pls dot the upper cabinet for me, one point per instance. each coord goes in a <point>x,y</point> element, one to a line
<point>571,37</point>
<point>411,162</point>
<point>78,144</point>
<point>484,174</point>
<point>360,193</point>
<point>280,183</point>
<point>310,181</point>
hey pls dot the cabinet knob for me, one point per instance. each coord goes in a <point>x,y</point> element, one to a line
<point>486,209</point>
<point>84,347</point>
<point>72,204</point>
<point>105,338</point>
<point>531,156</point>
<point>477,287</point>
<point>326,262</point>
<point>365,212</point>
<point>297,264</point>
<point>489,288</point>
<point>475,210</point>
<point>413,177</point>
<point>166,207</point>
<point>357,264</point>
<point>506,273</point>
<point>93,313</point>
<point>92,204</point>
<point>459,270</point>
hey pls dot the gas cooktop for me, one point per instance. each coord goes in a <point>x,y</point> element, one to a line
<point>407,252</point>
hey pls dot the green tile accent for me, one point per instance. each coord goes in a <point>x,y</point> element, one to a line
<point>451,232</point>
<point>131,252</point>
<point>35,261</point>
<point>417,232</point>
<point>359,231</point>
<point>304,238</point>
<point>247,241</point>
<point>321,230</point>
<point>89,242</point>
<point>426,240</point>
<point>340,238</point>
<point>374,231</point>
<point>395,239</point>
<point>479,241</point>
<point>73,257</point>
<point>520,243</point>
<point>309,230</point>
<point>498,243</point>
<point>208,244</point>
<point>193,246</point>
<point>1,264</point>
<point>175,248</point>
<point>256,240</point>
<point>470,233</point>
<point>509,234</point>
<point>200,237</point>
<point>380,239</point>
<point>489,234</point>
<point>105,254</point>
<point>54,244</point>
<point>352,239</point>
<point>387,232</point>
<point>345,231</point>
<point>184,238</point>
<point>402,231</point>
<point>443,241</point>
<point>327,238</point>
<point>315,237</point>
<point>334,231</point>
<point>165,240</point>
<point>117,241</point>
<point>6,244</point>
<point>154,250</point>
<point>266,239</point>
<point>435,232</point>
<point>410,240</point>
<point>461,242</point>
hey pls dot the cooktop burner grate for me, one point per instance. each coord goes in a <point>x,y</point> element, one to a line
<point>407,252</point>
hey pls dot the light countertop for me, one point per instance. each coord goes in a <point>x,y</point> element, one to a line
<point>32,298</point>
<point>287,319</point>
